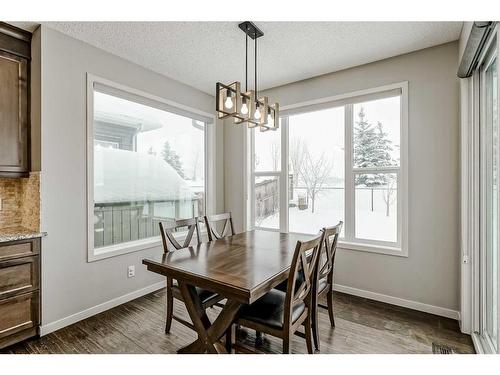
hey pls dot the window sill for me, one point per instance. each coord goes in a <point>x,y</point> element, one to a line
<point>359,246</point>
<point>123,248</point>
<point>149,243</point>
<point>134,246</point>
<point>372,248</point>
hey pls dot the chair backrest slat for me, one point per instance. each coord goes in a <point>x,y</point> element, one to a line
<point>167,229</point>
<point>211,224</point>
<point>326,262</point>
<point>304,260</point>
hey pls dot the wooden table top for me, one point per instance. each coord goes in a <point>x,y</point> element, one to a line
<point>243,267</point>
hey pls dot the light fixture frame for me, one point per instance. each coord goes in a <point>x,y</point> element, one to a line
<point>221,96</point>
<point>275,115</point>
<point>250,96</point>
<point>263,105</point>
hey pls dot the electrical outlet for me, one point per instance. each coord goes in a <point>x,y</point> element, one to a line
<point>131,271</point>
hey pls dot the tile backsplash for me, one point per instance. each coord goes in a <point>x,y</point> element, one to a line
<point>20,202</point>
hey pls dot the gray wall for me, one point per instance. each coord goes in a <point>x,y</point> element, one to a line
<point>430,274</point>
<point>70,284</point>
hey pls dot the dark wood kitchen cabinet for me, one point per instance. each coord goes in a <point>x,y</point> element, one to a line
<point>15,55</point>
<point>19,290</point>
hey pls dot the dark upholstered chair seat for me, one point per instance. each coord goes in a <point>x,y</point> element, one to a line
<point>269,310</point>
<point>205,295</point>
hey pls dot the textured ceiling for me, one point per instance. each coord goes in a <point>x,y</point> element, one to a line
<point>202,53</point>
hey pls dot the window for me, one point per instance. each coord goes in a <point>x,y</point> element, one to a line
<point>266,180</point>
<point>147,165</point>
<point>345,160</point>
<point>316,170</point>
<point>267,202</point>
<point>375,168</point>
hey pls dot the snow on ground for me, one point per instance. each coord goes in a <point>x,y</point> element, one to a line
<point>329,210</point>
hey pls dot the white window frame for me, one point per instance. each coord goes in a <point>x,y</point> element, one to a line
<point>478,234</point>
<point>349,242</point>
<point>152,242</point>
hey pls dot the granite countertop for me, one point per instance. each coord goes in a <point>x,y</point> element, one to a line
<point>18,233</point>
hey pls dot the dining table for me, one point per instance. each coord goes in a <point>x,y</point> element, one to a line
<point>241,268</point>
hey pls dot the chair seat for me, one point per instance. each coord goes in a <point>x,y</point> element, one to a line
<point>203,294</point>
<point>268,310</point>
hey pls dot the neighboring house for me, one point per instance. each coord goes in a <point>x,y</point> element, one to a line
<point>134,191</point>
<point>116,130</point>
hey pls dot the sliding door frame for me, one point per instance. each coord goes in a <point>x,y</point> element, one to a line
<point>474,152</point>
<point>489,56</point>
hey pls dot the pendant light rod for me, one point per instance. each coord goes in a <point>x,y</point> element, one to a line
<point>246,61</point>
<point>255,70</point>
<point>251,30</point>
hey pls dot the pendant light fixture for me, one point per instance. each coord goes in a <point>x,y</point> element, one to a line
<point>247,107</point>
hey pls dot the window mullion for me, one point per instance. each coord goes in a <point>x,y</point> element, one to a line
<point>376,170</point>
<point>349,174</point>
<point>251,188</point>
<point>284,176</point>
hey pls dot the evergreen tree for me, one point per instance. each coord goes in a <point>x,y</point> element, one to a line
<point>171,157</point>
<point>384,148</point>
<point>365,144</point>
<point>372,148</point>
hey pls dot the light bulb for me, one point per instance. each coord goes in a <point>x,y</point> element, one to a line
<point>228,103</point>
<point>244,109</point>
<point>257,114</point>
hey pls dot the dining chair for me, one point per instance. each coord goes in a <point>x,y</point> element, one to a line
<point>279,313</point>
<point>324,284</point>
<point>170,243</point>
<point>212,221</point>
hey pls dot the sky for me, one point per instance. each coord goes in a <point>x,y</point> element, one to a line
<point>323,131</point>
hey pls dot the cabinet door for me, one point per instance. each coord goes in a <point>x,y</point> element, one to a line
<point>18,313</point>
<point>13,115</point>
<point>19,276</point>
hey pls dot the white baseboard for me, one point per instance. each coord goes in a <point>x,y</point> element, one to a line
<point>436,310</point>
<point>87,313</point>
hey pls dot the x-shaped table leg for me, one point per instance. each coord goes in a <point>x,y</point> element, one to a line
<point>209,334</point>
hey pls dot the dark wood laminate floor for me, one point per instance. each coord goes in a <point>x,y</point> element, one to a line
<point>362,326</point>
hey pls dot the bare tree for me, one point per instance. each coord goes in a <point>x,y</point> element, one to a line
<point>296,158</point>
<point>389,193</point>
<point>314,173</point>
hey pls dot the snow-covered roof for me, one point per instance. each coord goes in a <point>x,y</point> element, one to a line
<point>127,121</point>
<point>125,176</point>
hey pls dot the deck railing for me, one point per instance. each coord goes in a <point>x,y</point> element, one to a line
<point>118,223</point>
